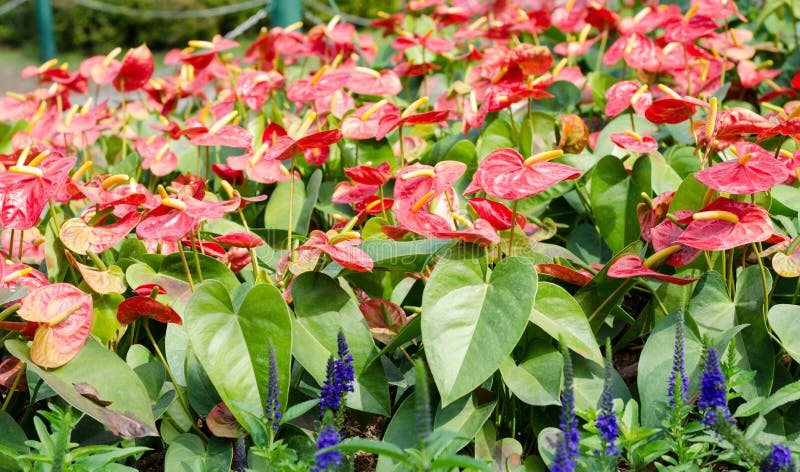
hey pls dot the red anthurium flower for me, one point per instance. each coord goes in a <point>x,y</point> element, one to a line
<point>420,222</point>
<point>479,232</point>
<point>48,72</point>
<point>675,109</point>
<point>240,239</point>
<point>208,248</point>
<point>26,188</point>
<point>255,87</point>
<point>756,170</point>
<point>223,134</point>
<point>427,41</point>
<point>31,243</point>
<point>635,142</point>
<point>725,224</point>
<point>346,192</point>
<point>102,69</point>
<point>371,82</point>
<point>228,173</point>
<point>636,49</point>
<point>373,205</point>
<point>363,122</point>
<point>732,125</point>
<point>200,54</point>
<point>368,175</point>
<point>341,247</point>
<point>418,185</point>
<point>136,69</point>
<point>178,215</point>
<point>751,75</point>
<point>64,314</point>
<point>575,277</point>
<point>504,173</point>
<point>78,236</point>
<point>323,82</point>
<point>157,156</point>
<point>652,212</point>
<point>147,289</point>
<point>20,275</point>
<point>631,265</point>
<point>390,122</point>
<point>136,307</point>
<point>665,235</point>
<point>689,28</point>
<point>627,93</point>
<point>497,214</point>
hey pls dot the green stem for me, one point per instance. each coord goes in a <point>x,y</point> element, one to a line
<point>289,224</point>
<point>186,266</point>
<point>196,256</point>
<point>402,147</point>
<point>13,388</point>
<point>513,228</point>
<point>181,397</point>
<point>9,311</point>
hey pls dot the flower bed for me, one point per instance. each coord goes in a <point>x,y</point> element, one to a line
<point>240,259</point>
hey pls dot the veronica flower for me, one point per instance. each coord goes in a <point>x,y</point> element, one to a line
<point>567,450</point>
<point>607,420</point>
<point>339,379</point>
<point>678,367</point>
<point>328,436</point>
<point>272,411</point>
<point>713,391</point>
<point>778,460</point>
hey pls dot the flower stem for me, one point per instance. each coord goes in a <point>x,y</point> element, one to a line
<point>186,266</point>
<point>513,228</point>
<point>181,397</point>
<point>13,387</point>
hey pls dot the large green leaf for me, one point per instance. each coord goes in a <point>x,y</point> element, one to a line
<point>129,415</point>
<point>614,196</point>
<point>655,365</point>
<point>276,215</point>
<point>495,136</point>
<point>402,432</point>
<point>470,326</point>
<point>323,308</point>
<point>560,316</point>
<point>465,416</point>
<point>231,337</point>
<point>13,438</point>
<point>711,307</point>
<point>754,344</point>
<point>537,379</point>
<point>312,192</point>
<point>783,321</point>
<point>187,453</point>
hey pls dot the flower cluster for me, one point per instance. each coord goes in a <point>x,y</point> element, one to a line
<point>339,379</point>
<point>607,420</point>
<point>567,450</point>
<point>677,391</point>
<point>713,400</point>
<point>778,460</point>
<point>272,411</point>
<point>328,436</point>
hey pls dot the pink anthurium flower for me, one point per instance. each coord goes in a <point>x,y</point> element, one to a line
<point>665,235</point>
<point>755,170</point>
<point>725,224</point>
<point>371,82</point>
<point>504,173</point>
<point>672,110</point>
<point>26,187</point>
<point>496,213</point>
<point>158,158</point>
<point>223,134</point>
<point>341,247</point>
<point>363,123</point>
<point>631,141</point>
<point>627,93</point>
<point>631,265</point>
<point>64,314</point>
<point>240,239</point>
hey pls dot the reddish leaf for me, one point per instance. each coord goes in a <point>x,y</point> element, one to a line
<point>572,276</point>
<point>222,423</point>
<point>384,318</point>
<point>135,307</point>
<point>10,369</point>
<point>574,134</point>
